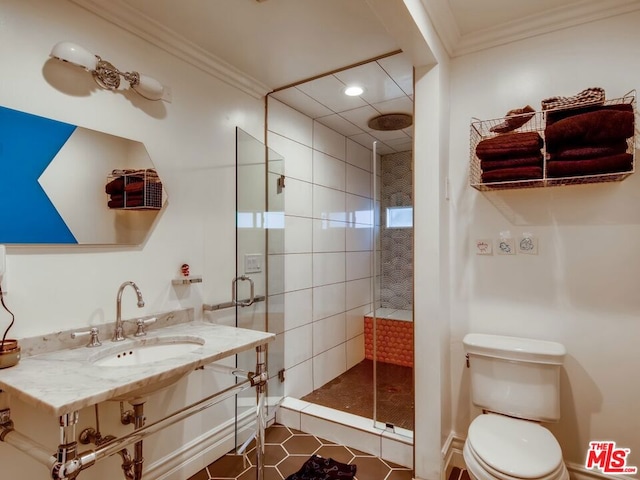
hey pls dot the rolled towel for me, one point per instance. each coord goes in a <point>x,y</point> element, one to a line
<point>587,152</point>
<point>589,96</point>
<point>514,119</point>
<point>512,174</point>
<point>509,145</point>
<point>593,128</point>
<point>575,168</point>
<point>532,161</point>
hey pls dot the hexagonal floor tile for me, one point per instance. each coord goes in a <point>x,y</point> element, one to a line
<point>301,443</point>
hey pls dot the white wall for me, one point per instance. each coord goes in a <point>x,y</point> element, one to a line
<point>581,289</point>
<point>327,241</point>
<point>192,144</point>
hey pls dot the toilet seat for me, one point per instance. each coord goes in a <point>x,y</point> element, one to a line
<point>508,448</point>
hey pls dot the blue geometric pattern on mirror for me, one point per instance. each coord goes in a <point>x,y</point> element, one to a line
<point>28,144</point>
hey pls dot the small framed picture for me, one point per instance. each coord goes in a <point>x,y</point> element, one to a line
<point>484,246</point>
<point>528,245</point>
<point>505,246</point>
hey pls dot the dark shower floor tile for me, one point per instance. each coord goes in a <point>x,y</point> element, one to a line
<point>280,461</point>
<point>352,392</point>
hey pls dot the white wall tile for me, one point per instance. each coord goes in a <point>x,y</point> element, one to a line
<point>298,198</point>
<point>329,235</point>
<point>275,272</point>
<point>332,431</point>
<point>397,452</point>
<point>358,237</point>
<point>297,271</point>
<point>298,234</point>
<point>290,123</point>
<point>288,417</point>
<point>328,268</point>
<point>355,351</point>
<point>328,333</point>
<point>358,293</point>
<point>329,203</point>
<point>359,210</point>
<point>359,181</point>
<point>328,365</point>
<point>329,141</point>
<point>359,156</point>
<point>328,171</point>
<point>299,345</point>
<point>355,320</point>
<point>298,380</point>
<point>358,265</point>
<point>328,300</point>
<point>298,308</point>
<point>298,158</point>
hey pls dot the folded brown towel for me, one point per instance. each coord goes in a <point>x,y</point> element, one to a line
<point>509,145</point>
<point>580,153</point>
<point>134,201</point>
<point>514,119</point>
<point>589,96</point>
<point>531,161</point>
<point>575,168</point>
<point>557,115</point>
<point>511,174</point>
<point>114,186</point>
<point>593,128</point>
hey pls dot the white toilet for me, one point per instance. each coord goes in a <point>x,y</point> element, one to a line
<point>516,382</point>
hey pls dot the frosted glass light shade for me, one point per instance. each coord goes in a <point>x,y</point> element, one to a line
<point>149,87</point>
<point>74,54</point>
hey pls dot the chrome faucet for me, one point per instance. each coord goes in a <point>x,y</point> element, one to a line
<point>118,335</point>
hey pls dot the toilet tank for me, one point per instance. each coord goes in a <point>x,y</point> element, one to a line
<point>519,377</point>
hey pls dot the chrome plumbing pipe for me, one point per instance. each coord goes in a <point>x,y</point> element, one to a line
<point>17,440</point>
<point>235,371</point>
<point>137,435</point>
<point>261,388</point>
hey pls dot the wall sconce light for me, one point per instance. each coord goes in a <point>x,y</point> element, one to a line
<point>104,73</point>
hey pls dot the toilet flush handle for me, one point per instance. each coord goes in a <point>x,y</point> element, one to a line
<point>467,358</point>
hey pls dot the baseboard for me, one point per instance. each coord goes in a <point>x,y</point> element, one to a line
<point>200,452</point>
<point>452,455</point>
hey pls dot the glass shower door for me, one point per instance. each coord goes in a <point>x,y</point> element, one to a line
<point>392,292</point>
<point>251,283</point>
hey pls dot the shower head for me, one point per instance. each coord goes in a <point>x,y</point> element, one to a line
<point>391,121</point>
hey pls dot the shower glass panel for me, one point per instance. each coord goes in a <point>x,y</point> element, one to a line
<point>253,218</point>
<point>393,293</point>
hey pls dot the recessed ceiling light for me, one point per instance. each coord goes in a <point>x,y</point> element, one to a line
<point>353,91</point>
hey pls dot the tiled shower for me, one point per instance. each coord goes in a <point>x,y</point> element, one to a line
<point>328,247</point>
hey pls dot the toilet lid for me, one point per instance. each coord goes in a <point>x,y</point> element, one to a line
<point>517,448</point>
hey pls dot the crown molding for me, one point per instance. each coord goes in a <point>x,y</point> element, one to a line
<point>557,19</point>
<point>133,21</point>
<point>444,22</point>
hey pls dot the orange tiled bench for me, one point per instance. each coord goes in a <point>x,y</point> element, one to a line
<point>394,338</point>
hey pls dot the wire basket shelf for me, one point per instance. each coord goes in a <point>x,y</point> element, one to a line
<point>482,130</point>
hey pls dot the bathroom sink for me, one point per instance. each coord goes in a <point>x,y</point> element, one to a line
<point>147,351</point>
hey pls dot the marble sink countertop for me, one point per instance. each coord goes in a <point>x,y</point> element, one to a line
<point>62,381</point>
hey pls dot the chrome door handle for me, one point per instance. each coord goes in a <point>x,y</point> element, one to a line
<point>234,296</point>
